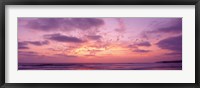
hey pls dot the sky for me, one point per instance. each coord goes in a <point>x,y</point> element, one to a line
<point>99,40</point>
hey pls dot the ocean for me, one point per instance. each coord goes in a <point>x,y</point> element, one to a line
<point>100,66</point>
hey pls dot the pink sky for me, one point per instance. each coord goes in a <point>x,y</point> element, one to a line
<point>99,40</point>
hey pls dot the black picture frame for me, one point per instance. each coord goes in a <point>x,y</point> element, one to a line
<point>98,2</point>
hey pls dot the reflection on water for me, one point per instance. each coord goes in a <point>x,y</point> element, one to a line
<point>101,66</point>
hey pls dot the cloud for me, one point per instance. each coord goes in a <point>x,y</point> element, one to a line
<point>27,53</point>
<point>174,26</point>
<point>94,37</point>
<point>65,56</point>
<point>85,23</point>
<point>66,24</point>
<point>93,52</point>
<point>38,43</point>
<point>88,55</point>
<point>63,38</point>
<point>141,51</point>
<point>44,24</point>
<point>138,44</point>
<point>22,45</point>
<point>171,43</point>
<point>121,26</point>
<point>174,53</point>
<point>32,57</point>
<point>143,43</point>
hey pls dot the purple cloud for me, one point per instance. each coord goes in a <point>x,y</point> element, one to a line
<point>141,51</point>
<point>89,55</point>
<point>38,43</point>
<point>65,56</point>
<point>66,24</point>
<point>27,53</point>
<point>143,43</point>
<point>121,26</point>
<point>174,53</point>
<point>94,37</point>
<point>22,45</point>
<point>171,43</point>
<point>174,27</point>
<point>137,44</point>
<point>85,23</point>
<point>63,38</point>
<point>44,24</point>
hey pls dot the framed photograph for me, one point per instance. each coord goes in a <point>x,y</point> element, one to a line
<point>95,43</point>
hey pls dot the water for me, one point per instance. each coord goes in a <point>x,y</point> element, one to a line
<point>100,66</point>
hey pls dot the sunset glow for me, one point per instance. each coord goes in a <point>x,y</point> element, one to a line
<point>99,40</point>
